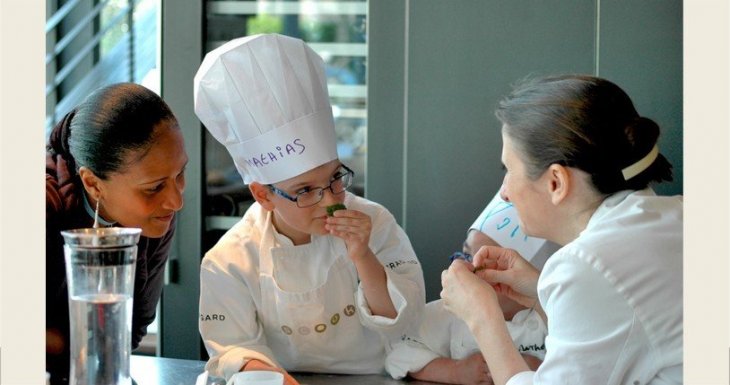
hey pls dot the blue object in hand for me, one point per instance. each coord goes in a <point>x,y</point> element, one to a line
<point>459,255</point>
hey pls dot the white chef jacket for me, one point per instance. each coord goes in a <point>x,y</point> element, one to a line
<point>442,334</point>
<point>613,297</point>
<point>293,306</point>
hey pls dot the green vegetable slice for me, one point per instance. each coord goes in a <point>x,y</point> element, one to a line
<point>337,206</point>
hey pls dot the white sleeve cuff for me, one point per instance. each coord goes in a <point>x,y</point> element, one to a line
<point>521,378</point>
<point>406,359</point>
<point>399,302</point>
<point>231,362</point>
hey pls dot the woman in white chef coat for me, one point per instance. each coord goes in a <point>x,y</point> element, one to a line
<point>290,288</point>
<point>579,160</point>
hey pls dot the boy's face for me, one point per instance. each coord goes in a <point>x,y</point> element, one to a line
<point>475,239</point>
<point>298,223</point>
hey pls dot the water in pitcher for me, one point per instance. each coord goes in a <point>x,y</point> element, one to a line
<point>105,357</point>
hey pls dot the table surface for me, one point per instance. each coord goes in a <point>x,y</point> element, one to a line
<point>147,370</point>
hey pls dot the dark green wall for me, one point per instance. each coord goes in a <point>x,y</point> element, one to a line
<point>436,70</point>
<point>641,50</point>
<point>181,56</point>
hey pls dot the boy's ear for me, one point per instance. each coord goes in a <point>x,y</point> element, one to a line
<point>262,194</point>
<point>559,183</point>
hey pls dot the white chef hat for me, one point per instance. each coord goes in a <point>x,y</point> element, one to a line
<point>265,98</point>
<point>500,222</point>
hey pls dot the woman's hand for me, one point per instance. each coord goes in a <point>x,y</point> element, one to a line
<point>509,273</point>
<point>354,227</point>
<point>464,293</point>
<point>474,300</point>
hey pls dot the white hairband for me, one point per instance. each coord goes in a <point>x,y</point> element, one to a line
<point>641,165</point>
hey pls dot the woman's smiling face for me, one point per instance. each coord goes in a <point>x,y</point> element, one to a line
<point>147,191</point>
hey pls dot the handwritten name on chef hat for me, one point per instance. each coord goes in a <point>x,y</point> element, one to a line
<point>500,222</point>
<point>264,97</point>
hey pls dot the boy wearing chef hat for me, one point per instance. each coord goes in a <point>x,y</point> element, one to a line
<point>290,287</point>
<point>442,349</point>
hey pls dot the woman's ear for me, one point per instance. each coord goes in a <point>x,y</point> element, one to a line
<point>92,183</point>
<point>559,183</point>
<point>262,194</point>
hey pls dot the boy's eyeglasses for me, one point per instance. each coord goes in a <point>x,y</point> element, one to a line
<point>310,197</point>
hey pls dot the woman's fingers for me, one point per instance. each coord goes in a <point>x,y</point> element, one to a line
<point>495,257</point>
<point>495,276</point>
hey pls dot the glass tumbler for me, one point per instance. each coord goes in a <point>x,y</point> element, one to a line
<point>100,274</point>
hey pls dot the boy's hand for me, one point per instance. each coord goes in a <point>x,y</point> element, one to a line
<point>473,370</point>
<point>354,228</point>
<point>254,364</point>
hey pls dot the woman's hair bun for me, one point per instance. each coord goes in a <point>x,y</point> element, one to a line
<point>58,139</point>
<point>642,134</point>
